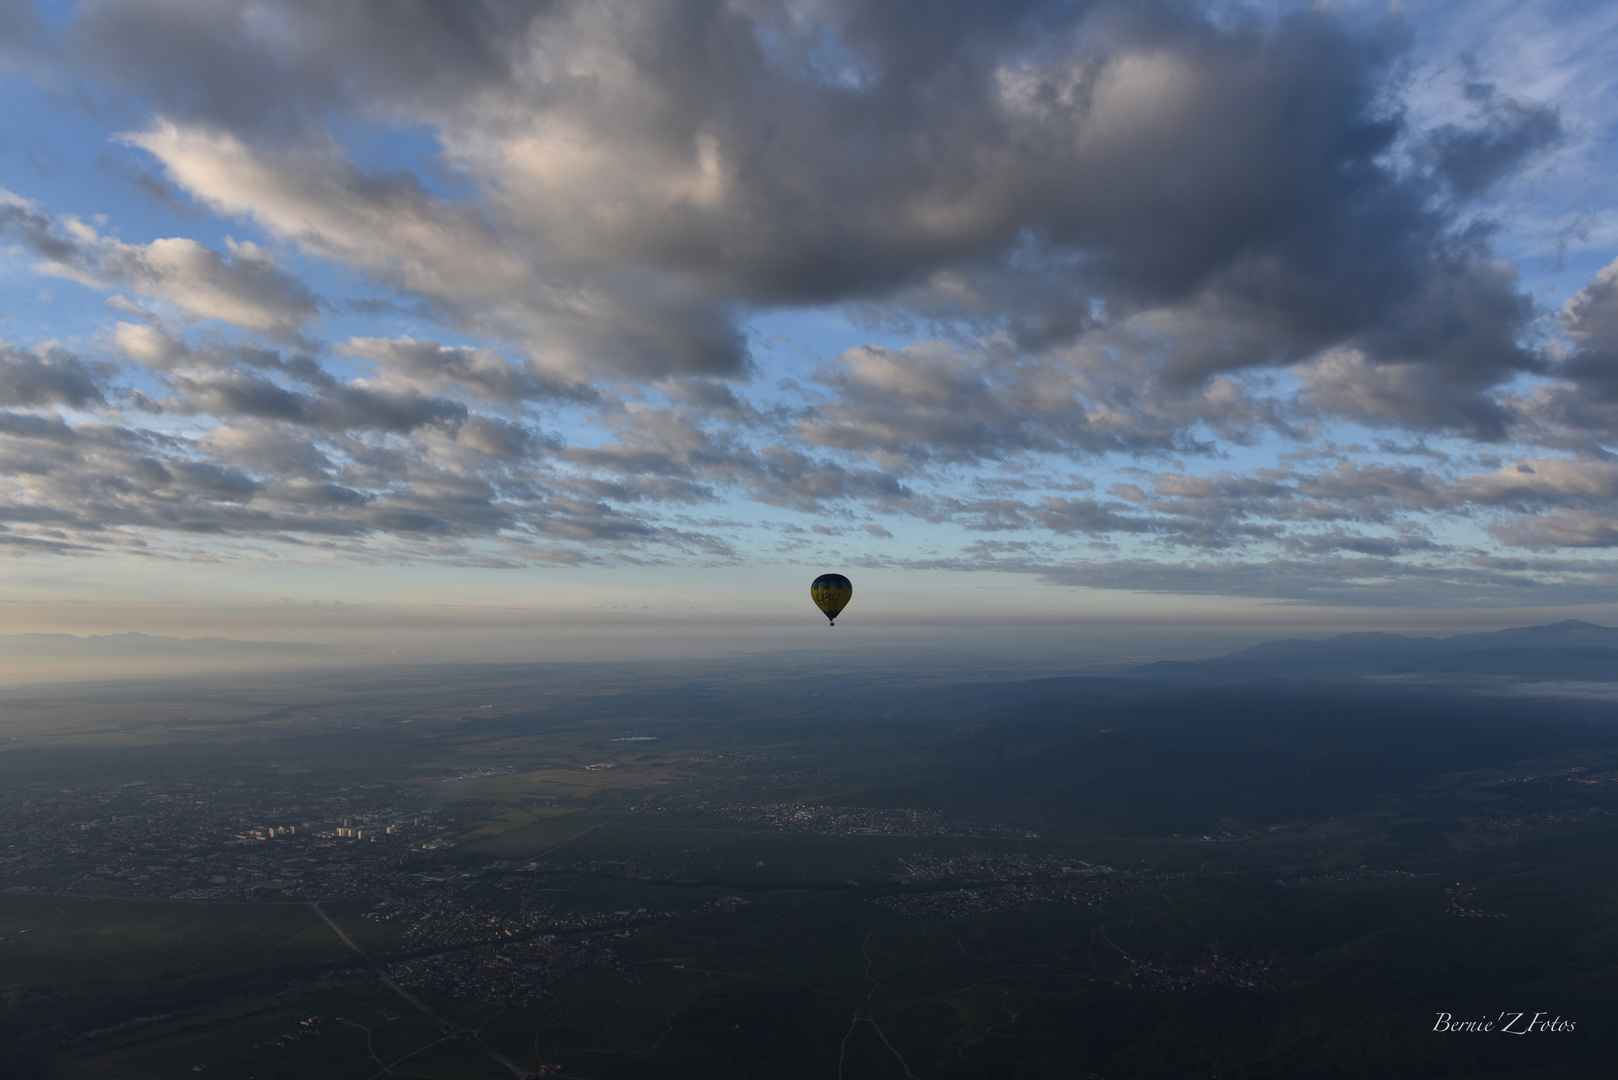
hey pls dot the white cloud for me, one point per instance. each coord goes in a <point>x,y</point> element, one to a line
<point>243,286</point>
<point>149,345</point>
<point>394,230</point>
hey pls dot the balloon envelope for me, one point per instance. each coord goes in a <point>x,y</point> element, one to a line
<point>831,593</point>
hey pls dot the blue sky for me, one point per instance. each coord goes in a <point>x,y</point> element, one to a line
<point>1302,314</point>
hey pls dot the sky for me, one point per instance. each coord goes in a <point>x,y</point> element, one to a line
<point>1045,322</point>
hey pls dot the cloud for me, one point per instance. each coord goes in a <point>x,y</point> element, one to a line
<point>98,487</point>
<point>1128,275</point>
<point>1220,192</point>
<point>619,320</point>
<point>291,62</point>
<point>150,345</point>
<point>672,445</point>
<point>1341,580</point>
<point>1059,515</point>
<point>1538,482</point>
<point>1590,320</point>
<point>933,404</point>
<point>1561,528</point>
<point>243,287</point>
<point>22,35</point>
<point>53,379</point>
<point>429,366</point>
<point>1472,159</point>
<point>337,408</point>
<point>1372,509</point>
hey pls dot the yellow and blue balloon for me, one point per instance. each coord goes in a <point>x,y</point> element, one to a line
<point>831,594</point>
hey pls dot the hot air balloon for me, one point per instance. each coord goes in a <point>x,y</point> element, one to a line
<point>831,593</point>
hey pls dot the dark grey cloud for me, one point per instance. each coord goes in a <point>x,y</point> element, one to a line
<point>32,426</point>
<point>342,408</point>
<point>35,228</point>
<point>1473,158</point>
<point>22,34</point>
<point>56,378</point>
<point>1590,368</point>
<point>282,68</point>
<point>1576,407</point>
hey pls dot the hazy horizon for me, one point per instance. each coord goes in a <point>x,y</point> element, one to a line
<point>377,636</point>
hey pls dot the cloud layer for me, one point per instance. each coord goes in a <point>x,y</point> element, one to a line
<point>1089,242</point>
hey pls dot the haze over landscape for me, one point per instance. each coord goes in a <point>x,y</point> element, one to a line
<point>421,422</point>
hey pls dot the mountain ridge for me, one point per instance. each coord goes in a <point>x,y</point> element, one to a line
<point>134,644</point>
<point>1571,648</point>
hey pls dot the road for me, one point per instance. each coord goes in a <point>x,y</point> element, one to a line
<point>381,973</point>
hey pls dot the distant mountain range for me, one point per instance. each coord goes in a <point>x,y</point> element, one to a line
<point>66,647</point>
<point>1571,650</point>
